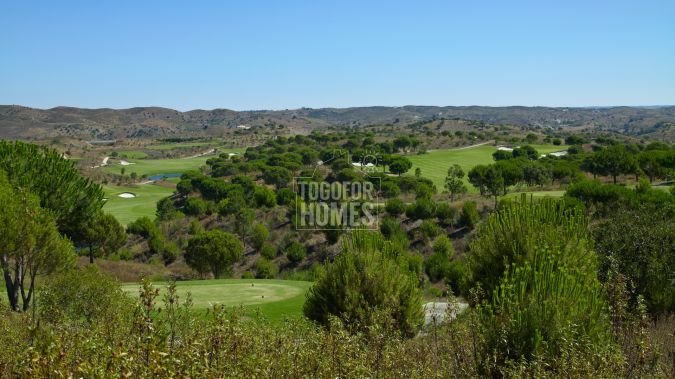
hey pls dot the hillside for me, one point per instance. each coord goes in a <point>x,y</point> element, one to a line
<point>29,123</point>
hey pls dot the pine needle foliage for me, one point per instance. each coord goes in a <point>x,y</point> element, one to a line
<point>512,235</point>
<point>368,278</point>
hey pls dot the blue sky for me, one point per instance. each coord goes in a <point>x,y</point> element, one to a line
<point>289,54</point>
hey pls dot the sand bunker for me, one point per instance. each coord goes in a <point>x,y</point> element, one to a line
<point>127,195</point>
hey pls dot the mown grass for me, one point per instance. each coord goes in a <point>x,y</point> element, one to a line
<point>128,210</point>
<point>435,163</point>
<point>558,193</point>
<point>166,166</point>
<point>274,299</point>
<point>179,145</point>
<point>130,154</point>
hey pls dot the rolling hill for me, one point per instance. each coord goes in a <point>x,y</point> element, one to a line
<point>154,122</point>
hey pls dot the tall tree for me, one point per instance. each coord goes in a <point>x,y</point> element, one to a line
<point>489,180</point>
<point>104,235</point>
<point>213,251</point>
<point>454,182</point>
<point>72,199</point>
<point>614,161</point>
<point>30,244</point>
<point>400,165</point>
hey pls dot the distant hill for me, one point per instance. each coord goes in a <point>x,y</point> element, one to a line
<point>154,122</point>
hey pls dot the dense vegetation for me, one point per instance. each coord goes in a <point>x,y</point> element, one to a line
<point>579,286</point>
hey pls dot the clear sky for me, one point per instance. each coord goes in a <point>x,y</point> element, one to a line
<point>288,54</point>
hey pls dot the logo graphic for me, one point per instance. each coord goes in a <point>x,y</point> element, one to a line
<point>345,200</point>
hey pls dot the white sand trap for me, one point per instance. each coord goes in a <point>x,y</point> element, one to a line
<point>125,163</point>
<point>127,195</point>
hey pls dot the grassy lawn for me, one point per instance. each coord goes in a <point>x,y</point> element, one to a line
<point>128,210</point>
<point>435,164</point>
<point>160,166</point>
<point>560,193</point>
<point>275,299</point>
<point>178,145</point>
<point>166,166</point>
<point>130,154</point>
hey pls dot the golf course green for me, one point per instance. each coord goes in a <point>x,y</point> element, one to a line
<point>128,209</point>
<point>274,299</point>
<point>166,166</point>
<point>435,163</point>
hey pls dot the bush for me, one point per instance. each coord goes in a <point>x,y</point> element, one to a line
<point>268,251</point>
<point>421,209</point>
<point>457,277</point>
<point>542,304</point>
<point>512,235</point>
<point>445,213</point>
<point>285,196</point>
<point>430,230</point>
<point>259,235</point>
<point>195,206</point>
<point>437,265</point>
<point>641,243</point>
<point>366,276</point>
<point>395,207</point>
<point>389,189</point>
<point>142,226</point>
<point>83,296</point>
<point>265,269</point>
<point>264,197</point>
<point>295,252</point>
<point>470,216</point>
<point>170,253</point>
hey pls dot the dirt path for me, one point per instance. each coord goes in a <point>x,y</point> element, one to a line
<point>466,147</point>
<point>211,151</point>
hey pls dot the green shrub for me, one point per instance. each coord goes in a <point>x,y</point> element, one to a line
<point>268,251</point>
<point>285,196</point>
<point>437,265</point>
<point>395,207</point>
<point>195,227</point>
<point>445,214</point>
<point>469,216</point>
<point>641,243</point>
<point>259,235</point>
<point>296,252</point>
<point>142,226</point>
<point>82,295</point>
<point>541,305</point>
<point>512,235</point>
<point>265,269</point>
<point>422,208</point>
<point>264,197</point>
<point>195,206</point>
<point>365,277</point>
<point>457,277</point>
<point>430,230</point>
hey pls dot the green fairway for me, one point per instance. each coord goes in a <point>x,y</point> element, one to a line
<point>166,166</point>
<point>275,299</point>
<point>130,154</point>
<point>537,194</point>
<point>127,210</point>
<point>179,145</point>
<point>435,163</point>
